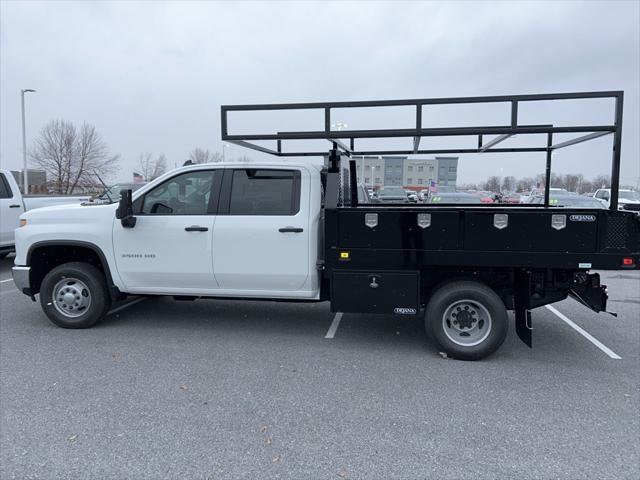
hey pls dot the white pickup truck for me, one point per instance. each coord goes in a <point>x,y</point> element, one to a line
<point>294,231</point>
<point>13,204</point>
<point>627,199</point>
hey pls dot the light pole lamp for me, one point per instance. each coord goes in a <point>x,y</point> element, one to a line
<point>25,181</point>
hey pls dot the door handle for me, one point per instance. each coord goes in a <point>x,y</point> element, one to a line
<point>15,205</point>
<point>290,230</point>
<point>196,228</point>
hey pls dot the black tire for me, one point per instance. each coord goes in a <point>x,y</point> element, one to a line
<point>88,283</point>
<point>453,298</point>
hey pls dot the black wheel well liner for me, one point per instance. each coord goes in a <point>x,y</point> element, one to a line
<point>46,255</point>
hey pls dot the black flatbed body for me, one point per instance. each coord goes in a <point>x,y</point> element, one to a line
<point>466,236</point>
<point>389,258</point>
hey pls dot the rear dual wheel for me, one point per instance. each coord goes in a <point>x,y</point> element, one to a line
<point>466,319</point>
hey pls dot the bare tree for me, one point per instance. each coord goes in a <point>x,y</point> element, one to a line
<point>198,155</point>
<point>602,181</point>
<point>508,184</point>
<point>71,157</point>
<point>573,181</point>
<point>492,184</point>
<point>525,184</point>
<point>151,168</point>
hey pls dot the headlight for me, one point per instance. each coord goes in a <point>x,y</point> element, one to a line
<point>23,222</point>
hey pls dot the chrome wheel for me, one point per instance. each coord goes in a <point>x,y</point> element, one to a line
<point>466,323</point>
<point>71,297</point>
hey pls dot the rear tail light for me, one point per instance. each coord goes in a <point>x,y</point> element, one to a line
<point>627,262</point>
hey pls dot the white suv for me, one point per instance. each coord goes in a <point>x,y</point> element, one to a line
<point>627,199</point>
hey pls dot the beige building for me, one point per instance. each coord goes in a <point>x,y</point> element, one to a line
<point>417,174</point>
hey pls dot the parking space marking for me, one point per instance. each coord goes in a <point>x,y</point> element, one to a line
<point>129,304</point>
<point>585,334</point>
<point>334,325</point>
<point>7,280</point>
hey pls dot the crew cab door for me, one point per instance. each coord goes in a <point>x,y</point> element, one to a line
<point>261,237</point>
<point>169,250</point>
<point>10,209</point>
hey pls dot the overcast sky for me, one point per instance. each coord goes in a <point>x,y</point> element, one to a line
<point>152,76</point>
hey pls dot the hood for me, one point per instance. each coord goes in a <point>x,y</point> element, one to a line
<point>70,212</point>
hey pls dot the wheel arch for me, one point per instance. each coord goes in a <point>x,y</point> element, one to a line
<point>43,256</point>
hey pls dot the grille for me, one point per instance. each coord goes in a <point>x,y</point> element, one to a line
<point>632,206</point>
<point>617,232</point>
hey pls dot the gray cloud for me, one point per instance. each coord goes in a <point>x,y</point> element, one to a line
<point>151,76</point>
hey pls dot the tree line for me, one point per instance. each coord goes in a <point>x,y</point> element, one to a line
<point>76,158</point>
<point>573,182</point>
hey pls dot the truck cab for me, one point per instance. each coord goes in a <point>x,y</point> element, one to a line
<point>236,230</point>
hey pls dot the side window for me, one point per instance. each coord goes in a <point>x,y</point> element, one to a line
<point>265,192</point>
<point>5,191</point>
<point>186,194</point>
<point>605,195</point>
<point>599,194</point>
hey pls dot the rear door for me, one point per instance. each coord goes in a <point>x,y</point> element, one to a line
<point>261,236</point>
<point>10,210</point>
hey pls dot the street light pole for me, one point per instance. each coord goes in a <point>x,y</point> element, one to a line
<point>224,147</point>
<point>25,181</point>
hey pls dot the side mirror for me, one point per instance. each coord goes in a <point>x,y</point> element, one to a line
<point>124,213</point>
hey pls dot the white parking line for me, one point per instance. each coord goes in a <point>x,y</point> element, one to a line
<point>7,280</point>
<point>334,325</point>
<point>585,334</point>
<point>129,304</point>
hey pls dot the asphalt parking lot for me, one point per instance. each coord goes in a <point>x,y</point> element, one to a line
<point>229,389</point>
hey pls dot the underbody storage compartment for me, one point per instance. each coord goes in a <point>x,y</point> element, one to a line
<point>389,292</point>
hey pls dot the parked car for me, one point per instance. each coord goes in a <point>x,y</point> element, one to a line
<point>458,197</point>
<point>392,194</point>
<point>13,204</point>
<point>568,201</point>
<point>511,198</point>
<point>485,196</point>
<point>412,196</point>
<point>627,199</point>
<point>540,191</point>
<point>423,195</point>
<point>364,196</point>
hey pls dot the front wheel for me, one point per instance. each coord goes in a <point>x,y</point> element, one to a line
<point>75,295</point>
<point>466,319</point>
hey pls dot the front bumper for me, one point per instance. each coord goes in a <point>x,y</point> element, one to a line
<point>21,279</point>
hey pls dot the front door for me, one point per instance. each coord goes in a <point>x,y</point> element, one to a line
<point>261,237</point>
<point>169,250</point>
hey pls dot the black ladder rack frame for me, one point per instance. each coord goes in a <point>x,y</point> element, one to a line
<point>339,139</point>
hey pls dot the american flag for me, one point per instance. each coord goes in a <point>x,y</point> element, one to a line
<point>137,178</point>
<point>433,186</point>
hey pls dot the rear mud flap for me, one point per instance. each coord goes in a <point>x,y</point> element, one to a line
<point>524,327</point>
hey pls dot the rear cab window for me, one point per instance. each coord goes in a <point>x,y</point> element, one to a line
<point>5,189</point>
<point>262,191</point>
